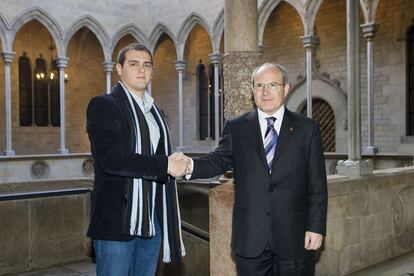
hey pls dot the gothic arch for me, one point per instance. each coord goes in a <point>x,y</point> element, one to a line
<point>312,8</point>
<point>3,32</point>
<point>131,29</point>
<point>157,32</point>
<point>266,10</point>
<point>36,13</point>
<point>186,28</point>
<point>369,9</point>
<point>95,27</point>
<point>328,90</point>
<point>218,29</point>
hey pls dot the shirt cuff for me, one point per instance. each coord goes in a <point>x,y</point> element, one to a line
<point>188,175</point>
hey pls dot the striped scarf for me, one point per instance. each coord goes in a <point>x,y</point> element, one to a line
<point>142,195</point>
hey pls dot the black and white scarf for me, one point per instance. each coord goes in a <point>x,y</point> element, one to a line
<point>143,192</point>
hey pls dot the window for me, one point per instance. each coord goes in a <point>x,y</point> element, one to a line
<point>39,93</point>
<point>25,91</point>
<point>410,81</point>
<point>324,115</point>
<point>206,101</point>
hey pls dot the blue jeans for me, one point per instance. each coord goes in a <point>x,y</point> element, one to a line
<point>122,258</point>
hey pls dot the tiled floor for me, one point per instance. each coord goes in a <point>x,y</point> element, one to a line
<point>75,269</point>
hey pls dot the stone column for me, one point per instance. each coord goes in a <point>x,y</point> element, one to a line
<point>216,59</point>
<point>309,42</point>
<point>180,67</point>
<point>354,166</point>
<point>8,58</point>
<point>61,63</point>
<point>241,55</point>
<point>369,31</point>
<point>108,68</point>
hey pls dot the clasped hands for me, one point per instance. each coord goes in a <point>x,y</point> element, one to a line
<point>179,164</point>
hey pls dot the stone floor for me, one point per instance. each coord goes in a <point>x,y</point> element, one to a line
<point>400,266</point>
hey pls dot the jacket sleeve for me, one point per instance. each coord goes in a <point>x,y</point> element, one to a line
<point>317,195</point>
<point>218,161</point>
<point>108,132</point>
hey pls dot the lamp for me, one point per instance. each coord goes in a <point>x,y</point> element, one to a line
<point>50,76</point>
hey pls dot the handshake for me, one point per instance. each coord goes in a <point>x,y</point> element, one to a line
<point>179,164</point>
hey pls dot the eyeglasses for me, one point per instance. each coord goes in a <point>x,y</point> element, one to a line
<point>271,86</point>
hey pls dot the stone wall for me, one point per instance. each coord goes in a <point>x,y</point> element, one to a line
<point>42,232</point>
<point>370,220</point>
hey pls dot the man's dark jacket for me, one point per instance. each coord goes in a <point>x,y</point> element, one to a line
<point>272,210</point>
<point>111,133</point>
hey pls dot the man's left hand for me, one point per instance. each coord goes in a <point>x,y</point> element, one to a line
<point>313,241</point>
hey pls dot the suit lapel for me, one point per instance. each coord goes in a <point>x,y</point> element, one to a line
<point>252,128</point>
<point>286,131</point>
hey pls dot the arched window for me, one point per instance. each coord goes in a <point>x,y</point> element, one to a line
<point>40,93</point>
<point>324,115</point>
<point>203,102</point>
<point>25,91</point>
<point>410,81</point>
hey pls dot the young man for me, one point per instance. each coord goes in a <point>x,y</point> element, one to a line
<point>134,201</point>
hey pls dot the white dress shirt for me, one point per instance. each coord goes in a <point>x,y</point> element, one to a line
<point>263,122</point>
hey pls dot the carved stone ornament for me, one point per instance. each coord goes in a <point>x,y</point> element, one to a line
<point>39,170</point>
<point>403,217</point>
<point>87,167</point>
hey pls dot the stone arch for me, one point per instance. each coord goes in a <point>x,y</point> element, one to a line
<point>186,28</point>
<point>96,28</point>
<point>218,29</point>
<point>328,90</point>
<point>40,15</point>
<point>369,9</point>
<point>131,29</point>
<point>156,33</point>
<point>3,32</point>
<point>266,10</point>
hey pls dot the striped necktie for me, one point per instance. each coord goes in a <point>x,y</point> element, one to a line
<point>270,141</point>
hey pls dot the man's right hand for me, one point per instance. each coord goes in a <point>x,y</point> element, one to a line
<point>178,164</point>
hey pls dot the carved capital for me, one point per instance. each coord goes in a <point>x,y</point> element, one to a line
<point>62,62</point>
<point>369,30</point>
<point>8,57</point>
<point>309,41</point>
<point>180,65</point>
<point>216,58</point>
<point>108,66</point>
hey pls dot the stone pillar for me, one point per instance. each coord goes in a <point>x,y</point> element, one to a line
<point>241,55</point>
<point>61,63</point>
<point>108,68</point>
<point>8,58</point>
<point>309,42</point>
<point>216,59</point>
<point>354,166</point>
<point>369,31</point>
<point>180,67</point>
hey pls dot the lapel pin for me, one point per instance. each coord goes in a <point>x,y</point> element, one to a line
<point>291,129</point>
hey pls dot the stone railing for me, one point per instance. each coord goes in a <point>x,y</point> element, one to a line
<point>370,220</point>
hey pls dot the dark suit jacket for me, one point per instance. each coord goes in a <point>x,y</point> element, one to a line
<point>272,210</point>
<point>111,134</point>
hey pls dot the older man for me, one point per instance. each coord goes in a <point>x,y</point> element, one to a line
<point>280,200</point>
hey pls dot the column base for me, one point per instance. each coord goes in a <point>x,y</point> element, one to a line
<point>63,151</point>
<point>370,150</point>
<point>355,167</point>
<point>9,153</point>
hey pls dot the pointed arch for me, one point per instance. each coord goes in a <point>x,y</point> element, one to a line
<point>40,15</point>
<point>156,33</point>
<point>3,32</point>
<point>369,9</point>
<point>218,29</point>
<point>312,8</point>
<point>132,30</point>
<point>186,28</point>
<point>266,10</point>
<point>96,28</point>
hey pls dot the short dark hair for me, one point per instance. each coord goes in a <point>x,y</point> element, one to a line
<point>133,46</point>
